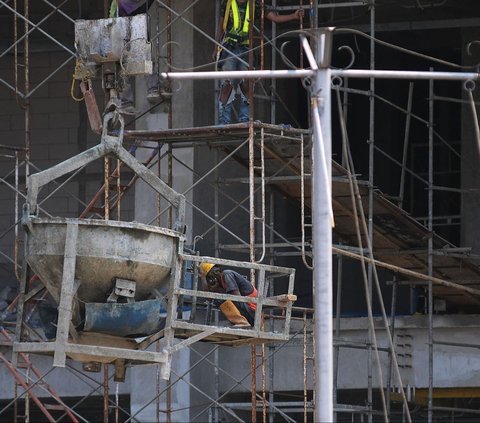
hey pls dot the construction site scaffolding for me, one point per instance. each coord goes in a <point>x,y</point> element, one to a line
<point>307,406</point>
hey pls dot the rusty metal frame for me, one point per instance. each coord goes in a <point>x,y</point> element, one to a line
<point>284,302</point>
<point>110,145</point>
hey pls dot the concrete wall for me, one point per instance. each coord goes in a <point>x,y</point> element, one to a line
<point>452,366</point>
<point>148,392</point>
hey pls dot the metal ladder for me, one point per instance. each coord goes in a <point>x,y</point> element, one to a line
<point>25,381</point>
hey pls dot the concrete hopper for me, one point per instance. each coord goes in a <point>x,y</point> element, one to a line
<point>89,261</point>
<point>105,250</point>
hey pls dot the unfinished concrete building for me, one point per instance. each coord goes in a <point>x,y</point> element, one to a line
<point>349,199</point>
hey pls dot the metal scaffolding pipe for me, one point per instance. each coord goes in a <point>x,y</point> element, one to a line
<point>387,74</point>
<point>371,166</point>
<point>306,73</point>
<point>301,73</point>
<point>430,255</point>
<point>322,251</point>
<point>407,272</point>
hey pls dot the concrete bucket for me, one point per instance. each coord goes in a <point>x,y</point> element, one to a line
<point>105,276</point>
<point>105,251</point>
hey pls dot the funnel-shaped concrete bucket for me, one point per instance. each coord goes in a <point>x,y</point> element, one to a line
<point>95,261</point>
<point>105,250</point>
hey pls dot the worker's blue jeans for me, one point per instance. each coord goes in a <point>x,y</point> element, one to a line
<point>232,62</point>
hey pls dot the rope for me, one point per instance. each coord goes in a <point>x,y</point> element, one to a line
<point>81,73</point>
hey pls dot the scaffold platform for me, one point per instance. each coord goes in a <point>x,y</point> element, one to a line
<point>400,242</point>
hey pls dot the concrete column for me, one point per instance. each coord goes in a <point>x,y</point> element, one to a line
<point>144,386</point>
<point>143,379</point>
<point>182,114</point>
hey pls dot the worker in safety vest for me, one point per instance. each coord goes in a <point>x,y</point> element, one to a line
<point>156,89</point>
<point>214,279</point>
<point>232,33</point>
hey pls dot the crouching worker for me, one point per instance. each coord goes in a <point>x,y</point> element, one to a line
<point>215,279</point>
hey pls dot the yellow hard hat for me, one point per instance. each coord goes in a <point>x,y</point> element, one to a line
<point>206,267</point>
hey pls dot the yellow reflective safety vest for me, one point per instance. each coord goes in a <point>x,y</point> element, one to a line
<point>238,34</point>
<point>113,9</point>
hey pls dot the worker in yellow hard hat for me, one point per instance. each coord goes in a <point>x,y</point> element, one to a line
<point>214,279</point>
<point>233,35</point>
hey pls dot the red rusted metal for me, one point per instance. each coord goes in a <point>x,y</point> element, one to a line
<point>92,107</point>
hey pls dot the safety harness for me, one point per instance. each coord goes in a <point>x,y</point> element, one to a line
<point>238,34</point>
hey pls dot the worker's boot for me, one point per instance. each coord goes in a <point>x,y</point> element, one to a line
<point>231,312</point>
